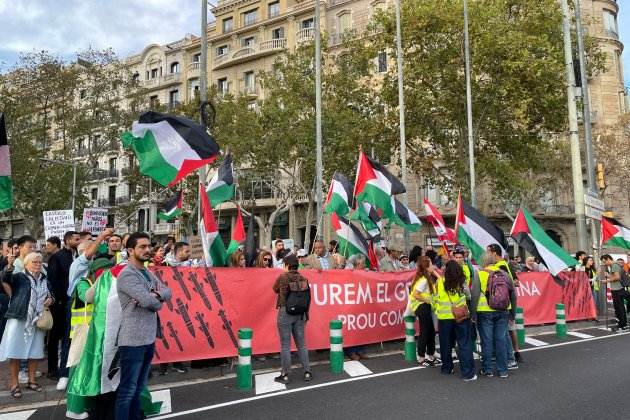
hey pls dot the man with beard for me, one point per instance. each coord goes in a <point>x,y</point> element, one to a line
<point>279,253</point>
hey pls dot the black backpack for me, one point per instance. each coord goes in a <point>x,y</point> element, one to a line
<point>298,297</point>
<point>624,278</point>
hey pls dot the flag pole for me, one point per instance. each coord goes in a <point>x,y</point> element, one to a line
<point>203,91</point>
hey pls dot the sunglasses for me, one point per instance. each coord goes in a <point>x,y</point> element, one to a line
<point>266,259</point>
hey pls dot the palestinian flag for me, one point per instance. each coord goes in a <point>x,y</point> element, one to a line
<point>404,217</point>
<point>614,234</point>
<point>435,218</point>
<point>169,147</point>
<point>6,186</point>
<point>98,371</point>
<point>213,247</point>
<point>370,219</point>
<point>475,231</point>
<point>172,207</point>
<point>528,233</point>
<point>375,184</point>
<point>221,187</point>
<point>238,233</point>
<point>351,240</point>
<point>339,199</point>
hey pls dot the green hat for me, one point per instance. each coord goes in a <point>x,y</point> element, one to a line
<point>100,263</point>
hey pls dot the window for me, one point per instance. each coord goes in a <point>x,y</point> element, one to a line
<point>154,73</point>
<point>619,64</point>
<point>248,42</point>
<point>308,23</point>
<point>112,164</point>
<point>154,101</point>
<point>110,220</point>
<point>173,97</point>
<point>196,58</point>
<point>111,195</point>
<point>277,33</point>
<point>222,86</point>
<point>175,67</point>
<point>248,78</point>
<point>273,9</point>
<point>94,193</point>
<point>136,77</point>
<point>81,145</point>
<point>610,23</point>
<point>82,94</point>
<point>228,25</point>
<point>250,17</point>
<point>222,50</point>
<point>194,87</point>
<point>344,22</point>
<point>382,62</point>
<point>96,141</point>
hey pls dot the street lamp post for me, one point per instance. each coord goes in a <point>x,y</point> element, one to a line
<point>401,113</point>
<point>471,139</point>
<point>74,176</point>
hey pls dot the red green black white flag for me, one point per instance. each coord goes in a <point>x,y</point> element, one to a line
<point>339,199</point>
<point>238,233</point>
<point>375,185</point>
<point>475,231</point>
<point>614,234</point>
<point>172,207</point>
<point>213,247</point>
<point>221,187</point>
<point>6,185</point>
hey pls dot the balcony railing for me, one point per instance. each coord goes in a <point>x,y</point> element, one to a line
<point>194,65</point>
<point>122,200</point>
<point>305,35</point>
<point>112,173</point>
<point>163,80</point>
<point>107,202</point>
<point>96,174</point>
<point>248,52</point>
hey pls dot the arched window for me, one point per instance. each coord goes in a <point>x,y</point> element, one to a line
<point>175,67</point>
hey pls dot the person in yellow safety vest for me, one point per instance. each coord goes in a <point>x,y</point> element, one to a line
<point>451,292</point>
<point>492,324</point>
<point>514,355</point>
<point>420,300</point>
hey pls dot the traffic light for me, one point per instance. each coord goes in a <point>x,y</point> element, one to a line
<point>601,182</point>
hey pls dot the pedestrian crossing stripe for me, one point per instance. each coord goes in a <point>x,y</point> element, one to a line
<point>265,383</point>
<point>534,342</point>
<point>164,396</point>
<point>579,334</point>
<point>356,368</point>
<point>19,415</point>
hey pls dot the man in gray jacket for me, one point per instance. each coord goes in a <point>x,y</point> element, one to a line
<point>141,296</point>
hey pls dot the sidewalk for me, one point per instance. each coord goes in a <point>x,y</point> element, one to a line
<point>173,379</point>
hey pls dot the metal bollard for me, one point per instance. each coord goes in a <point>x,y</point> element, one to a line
<point>561,322</point>
<point>244,368</point>
<point>410,338</point>
<point>520,326</point>
<point>336,346</point>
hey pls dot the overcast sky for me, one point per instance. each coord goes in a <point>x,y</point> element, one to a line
<point>66,26</point>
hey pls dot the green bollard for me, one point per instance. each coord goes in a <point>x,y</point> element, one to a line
<point>410,338</point>
<point>561,322</point>
<point>244,368</point>
<point>336,346</point>
<point>520,326</point>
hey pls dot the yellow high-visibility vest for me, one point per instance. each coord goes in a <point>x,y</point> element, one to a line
<point>484,276</point>
<point>444,302</point>
<point>415,303</point>
<point>80,316</point>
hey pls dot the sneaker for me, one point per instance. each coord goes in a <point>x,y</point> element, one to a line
<point>486,374</point>
<point>503,375</point>
<point>426,363</point>
<point>178,367</point>
<point>23,377</point>
<point>283,378</point>
<point>308,376</point>
<point>474,378</point>
<point>512,365</point>
<point>518,357</point>
<point>62,384</point>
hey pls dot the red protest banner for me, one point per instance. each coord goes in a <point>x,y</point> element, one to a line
<point>209,305</point>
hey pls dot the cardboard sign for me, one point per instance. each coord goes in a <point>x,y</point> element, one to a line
<point>196,248</point>
<point>94,220</point>
<point>58,222</point>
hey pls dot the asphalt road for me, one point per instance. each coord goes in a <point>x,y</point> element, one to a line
<point>579,379</point>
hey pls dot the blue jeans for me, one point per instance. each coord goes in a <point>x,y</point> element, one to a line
<point>135,364</point>
<point>493,331</point>
<point>451,331</point>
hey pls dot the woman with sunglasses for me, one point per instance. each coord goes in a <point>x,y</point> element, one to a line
<point>264,260</point>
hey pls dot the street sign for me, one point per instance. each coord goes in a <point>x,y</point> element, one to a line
<point>594,202</point>
<point>593,213</point>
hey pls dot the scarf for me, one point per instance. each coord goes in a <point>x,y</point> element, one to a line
<point>39,292</point>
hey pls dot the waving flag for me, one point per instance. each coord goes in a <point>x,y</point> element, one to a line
<point>351,241</point>
<point>475,231</point>
<point>238,233</point>
<point>528,233</point>
<point>169,147</point>
<point>339,199</point>
<point>6,186</point>
<point>221,187</point>
<point>172,207</point>
<point>435,218</point>
<point>615,234</point>
<point>375,184</point>
<point>213,248</point>
<point>370,220</point>
<point>404,217</point>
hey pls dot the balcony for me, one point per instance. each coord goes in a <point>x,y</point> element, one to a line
<point>96,175</point>
<point>162,81</point>
<point>193,69</point>
<point>249,52</point>
<point>111,173</point>
<point>250,91</point>
<point>173,105</point>
<point>165,228</point>
<point>305,35</point>
<point>107,202</point>
<point>122,200</point>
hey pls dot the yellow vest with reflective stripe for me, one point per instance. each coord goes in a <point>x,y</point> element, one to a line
<point>80,316</point>
<point>413,302</point>
<point>466,270</point>
<point>483,306</point>
<point>442,301</point>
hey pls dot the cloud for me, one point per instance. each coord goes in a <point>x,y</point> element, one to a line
<point>67,26</point>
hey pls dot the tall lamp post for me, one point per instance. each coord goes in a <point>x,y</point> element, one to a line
<point>74,175</point>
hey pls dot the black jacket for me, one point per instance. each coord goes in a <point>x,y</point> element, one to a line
<point>58,269</point>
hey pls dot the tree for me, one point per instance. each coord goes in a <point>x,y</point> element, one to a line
<point>518,91</point>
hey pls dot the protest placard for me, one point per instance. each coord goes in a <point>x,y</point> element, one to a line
<point>58,222</point>
<point>94,220</point>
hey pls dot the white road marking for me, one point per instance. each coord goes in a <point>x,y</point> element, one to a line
<point>534,342</point>
<point>579,334</point>
<point>265,383</point>
<point>19,415</point>
<point>163,395</point>
<point>356,368</point>
<point>358,378</point>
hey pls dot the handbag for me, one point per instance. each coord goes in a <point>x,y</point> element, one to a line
<point>460,313</point>
<point>45,320</point>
